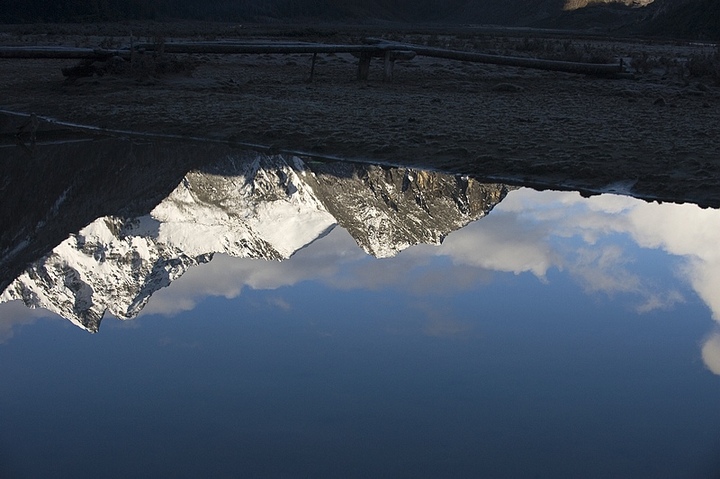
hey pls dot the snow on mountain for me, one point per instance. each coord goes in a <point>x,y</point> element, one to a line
<point>260,209</point>
<point>577,4</point>
<point>250,207</point>
<point>115,264</point>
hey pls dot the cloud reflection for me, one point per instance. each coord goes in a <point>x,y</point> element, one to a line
<point>443,324</point>
<point>529,232</point>
<point>592,239</point>
<point>227,276</point>
<point>14,314</point>
<point>501,242</point>
<point>711,353</point>
<point>520,235</point>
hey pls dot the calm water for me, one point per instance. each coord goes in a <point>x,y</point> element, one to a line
<point>555,336</point>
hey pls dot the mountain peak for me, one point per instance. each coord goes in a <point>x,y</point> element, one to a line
<point>268,207</point>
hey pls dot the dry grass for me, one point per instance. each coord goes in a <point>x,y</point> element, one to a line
<point>703,65</point>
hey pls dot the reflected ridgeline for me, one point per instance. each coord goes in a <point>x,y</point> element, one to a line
<point>104,224</point>
<point>54,190</point>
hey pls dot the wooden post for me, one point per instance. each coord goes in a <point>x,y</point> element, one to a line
<point>389,64</point>
<point>364,66</point>
<point>132,52</point>
<point>312,67</point>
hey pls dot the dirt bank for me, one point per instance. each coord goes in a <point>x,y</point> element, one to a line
<point>657,135</point>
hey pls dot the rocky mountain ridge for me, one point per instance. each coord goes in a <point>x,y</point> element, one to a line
<point>248,207</point>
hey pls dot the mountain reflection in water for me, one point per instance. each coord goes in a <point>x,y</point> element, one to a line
<point>245,205</point>
<point>496,275</point>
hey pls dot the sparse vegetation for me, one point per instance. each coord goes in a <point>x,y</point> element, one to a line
<point>530,46</point>
<point>141,64</point>
<point>705,65</point>
<point>642,63</point>
<point>701,64</point>
<point>109,43</point>
<point>156,65</point>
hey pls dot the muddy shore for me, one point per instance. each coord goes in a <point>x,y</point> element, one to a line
<point>656,136</point>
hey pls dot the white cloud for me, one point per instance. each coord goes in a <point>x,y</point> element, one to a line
<point>443,323</point>
<point>502,243</point>
<point>705,279</point>
<point>14,314</point>
<point>279,303</point>
<point>604,269</point>
<point>663,301</point>
<point>227,276</point>
<point>519,236</point>
<point>684,230</point>
<point>711,353</point>
<point>529,232</point>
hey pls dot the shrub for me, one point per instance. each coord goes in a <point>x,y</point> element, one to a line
<point>705,65</point>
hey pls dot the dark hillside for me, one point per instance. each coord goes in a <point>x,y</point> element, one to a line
<point>678,18</point>
<point>696,19</point>
<point>29,11</point>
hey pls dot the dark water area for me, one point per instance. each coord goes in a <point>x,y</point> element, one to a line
<point>266,315</point>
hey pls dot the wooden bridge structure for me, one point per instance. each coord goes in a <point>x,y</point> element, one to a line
<point>389,51</point>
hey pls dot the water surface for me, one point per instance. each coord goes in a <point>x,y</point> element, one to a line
<point>412,324</point>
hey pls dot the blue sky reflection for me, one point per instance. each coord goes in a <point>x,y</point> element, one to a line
<point>595,240</point>
<point>605,243</point>
<point>557,337</point>
<point>601,242</point>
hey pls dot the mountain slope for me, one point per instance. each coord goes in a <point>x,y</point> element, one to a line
<point>699,19</point>
<point>249,207</point>
<point>115,264</point>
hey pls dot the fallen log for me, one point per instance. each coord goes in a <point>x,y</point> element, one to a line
<point>65,53</point>
<point>374,48</point>
<point>602,69</point>
<point>258,48</point>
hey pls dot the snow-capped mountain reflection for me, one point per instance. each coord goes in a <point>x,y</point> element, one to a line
<point>246,206</point>
<point>213,232</point>
<point>529,232</point>
<point>602,243</point>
